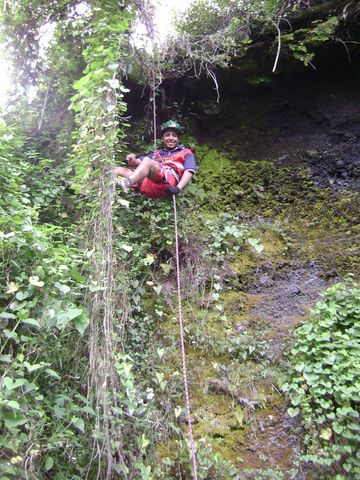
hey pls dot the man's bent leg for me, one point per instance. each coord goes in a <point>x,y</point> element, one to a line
<point>122,172</point>
<point>147,168</point>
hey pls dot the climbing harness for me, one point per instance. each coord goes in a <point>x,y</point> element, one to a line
<point>181,324</point>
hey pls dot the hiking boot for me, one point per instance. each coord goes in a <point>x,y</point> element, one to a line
<point>125,184</point>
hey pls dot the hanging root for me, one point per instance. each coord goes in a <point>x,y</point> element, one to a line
<point>103,379</point>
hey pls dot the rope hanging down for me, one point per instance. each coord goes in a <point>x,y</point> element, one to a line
<point>181,323</point>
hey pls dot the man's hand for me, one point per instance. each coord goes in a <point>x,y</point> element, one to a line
<point>173,190</point>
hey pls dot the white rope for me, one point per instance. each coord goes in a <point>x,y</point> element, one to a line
<point>181,324</point>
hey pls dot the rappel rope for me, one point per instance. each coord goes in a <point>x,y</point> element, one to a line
<point>154,106</point>
<point>181,323</point>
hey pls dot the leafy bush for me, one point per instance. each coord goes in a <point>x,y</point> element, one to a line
<point>325,380</point>
<point>39,310</point>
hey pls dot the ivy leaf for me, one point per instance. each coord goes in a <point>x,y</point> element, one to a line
<point>76,275</point>
<point>13,419</point>
<point>144,443</point>
<point>239,415</point>
<point>11,384</point>
<point>127,248</point>
<point>31,321</point>
<point>293,412</point>
<point>49,463</point>
<point>52,373</point>
<point>32,368</point>
<point>124,203</point>
<point>326,433</point>
<point>14,405</point>
<point>34,280</point>
<point>64,289</point>
<point>65,316</point>
<point>81,323</point>
<point>255,243</point>
<point>6,358</point>
<point>121,468</point>
<point>114,83</point>
<point>160,352</point>
<point>110,108</point>
<point>12,288</point>
<point>7,315</point>
<point>78,423</point>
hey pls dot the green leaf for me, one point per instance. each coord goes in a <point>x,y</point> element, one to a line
<point>326,433</point>
<point>76,275</point>
<point>14,405</point>
<point>144,442</point>
<point>13,419</point>
<point>5,358</point>
<point>22,295</point>
<point>34,280</point>
<point>65,316</point>
<point>127,248</point>
<point>88,410</point>
<point>255,243</point>
<point>49,463</point>
<point>121,468</point>
<point>52,373</point>
<point>114,83</point>
<point>78,423</point>
<point>157,289</point>
<point>293,412</point>
<point>10,384</point>
<point>124,203</point>
<point>31,321</point>
<point>64,289</point>
<point>7,315</point>
<point>160,352</point>
<point>81,323</point>
<point>32,368</point>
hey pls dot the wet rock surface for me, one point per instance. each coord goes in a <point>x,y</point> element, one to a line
<point>312,119</point>
<point>304,139</point>
<point>287,302</point>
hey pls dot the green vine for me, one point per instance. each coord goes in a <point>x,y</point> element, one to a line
<point>325,381</point>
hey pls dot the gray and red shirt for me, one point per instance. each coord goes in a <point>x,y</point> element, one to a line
<point>179,159</point>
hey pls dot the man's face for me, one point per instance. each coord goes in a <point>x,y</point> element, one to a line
<point>170,139</point>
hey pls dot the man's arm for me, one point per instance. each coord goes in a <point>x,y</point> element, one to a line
<point>185,179</point>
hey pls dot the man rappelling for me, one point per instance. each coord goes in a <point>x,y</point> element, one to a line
<point>163,173</point>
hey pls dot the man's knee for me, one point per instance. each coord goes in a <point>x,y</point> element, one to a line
<point>122,171</point>
<point>148,161</point>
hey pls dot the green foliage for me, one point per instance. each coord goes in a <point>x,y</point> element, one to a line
<point>228,235</point>
<point>211,465</point>
<point>39,309</point>
<point>99,93</point>
<point>305,39</point>
<point>214,33</point>
<point>22,22</point>
<point>325,380</point>
<point>52,423</point>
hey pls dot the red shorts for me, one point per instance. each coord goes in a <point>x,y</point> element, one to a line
<point>156,187</point>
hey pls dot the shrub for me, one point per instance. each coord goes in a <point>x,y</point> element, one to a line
<point>324,386</point>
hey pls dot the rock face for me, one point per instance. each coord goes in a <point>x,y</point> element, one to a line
<point>281,159</point>
<point>312,118</point>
